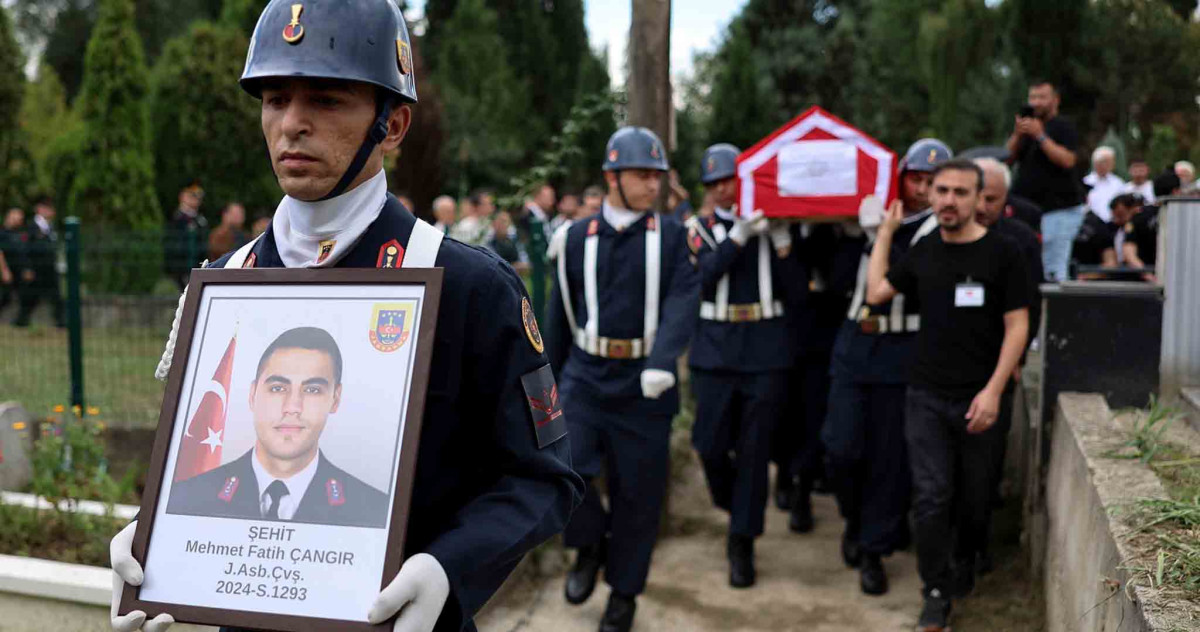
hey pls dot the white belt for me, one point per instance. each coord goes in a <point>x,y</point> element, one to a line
<point>612,348</point>
<point>750,312</point>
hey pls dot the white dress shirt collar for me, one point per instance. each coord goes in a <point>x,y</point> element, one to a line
<point>42,223</point>
<point>297,485</point>
<point>727,214</point>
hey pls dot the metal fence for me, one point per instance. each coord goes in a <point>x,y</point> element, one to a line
<point>102,357</point>
<point>1179,269</point>
<point>88,345</point>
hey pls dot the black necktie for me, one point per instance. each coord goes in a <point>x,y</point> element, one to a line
<point>276,491</point>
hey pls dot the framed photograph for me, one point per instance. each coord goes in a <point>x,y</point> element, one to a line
<point>278,490</point>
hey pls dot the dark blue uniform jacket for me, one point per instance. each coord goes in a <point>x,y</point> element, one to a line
<point>878,358</point>
<point>231,491</point>
<point>484,494</point>
<point>621,293</point>
<point>749,347</point>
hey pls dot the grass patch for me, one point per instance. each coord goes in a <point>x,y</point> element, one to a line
<point>60,536</point>
<point>1166,531</point>
<point>118,371</point>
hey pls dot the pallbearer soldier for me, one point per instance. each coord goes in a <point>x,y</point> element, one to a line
<point>830,253</point>
<point>741,353</point>
<point>865,456</point>
<point>493,477</point>
<point>621,313</point>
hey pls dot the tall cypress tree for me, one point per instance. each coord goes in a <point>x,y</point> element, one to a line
<point>44,118</point>
<point>204,125</point>
<point>14,160</point>
<point>114,185</point>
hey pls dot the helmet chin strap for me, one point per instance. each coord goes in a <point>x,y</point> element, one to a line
<point>378,132</point>
<point>621,192</point>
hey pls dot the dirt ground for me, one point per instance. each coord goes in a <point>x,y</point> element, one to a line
<point>802,582</point>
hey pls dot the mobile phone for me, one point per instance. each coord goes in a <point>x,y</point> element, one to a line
<point>1026,111</point>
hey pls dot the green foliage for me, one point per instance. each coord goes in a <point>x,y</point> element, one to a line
<point>951,50</point>
<point>242,14</point>
<point>1111,139</point>
<point>586,118</point>
<point>1146,437</point>
<point>204,126</point>
<point>113,186</point>
<point>45,118</point>
<point>1163,149</point>
<point>15,166</point>
<point>743,100</point>
<point>69,464</point>
<point>483,103</point>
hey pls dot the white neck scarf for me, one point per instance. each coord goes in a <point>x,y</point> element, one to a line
<point>303,229</point>
<point>619,218</point>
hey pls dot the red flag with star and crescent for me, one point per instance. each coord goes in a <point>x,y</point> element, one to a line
<point>201,448</point>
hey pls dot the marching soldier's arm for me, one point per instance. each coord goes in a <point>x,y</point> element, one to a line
<point>531,491</point>
<point>715,263</point>
<point>558,328</point>
<point>679,311</point>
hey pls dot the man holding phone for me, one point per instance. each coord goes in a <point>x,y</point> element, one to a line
<point>1044,144</point>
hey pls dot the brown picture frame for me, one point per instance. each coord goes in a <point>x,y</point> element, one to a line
<point>431,279</point>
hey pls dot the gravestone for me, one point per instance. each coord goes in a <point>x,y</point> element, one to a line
<point>16,443</point>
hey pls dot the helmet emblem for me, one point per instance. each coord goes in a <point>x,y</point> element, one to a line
<point>932,155</point>
<point>654,153</point>
<point>294,31</point>
<point>612,155</point>
<point>712,163</point>
<point>405,57</point>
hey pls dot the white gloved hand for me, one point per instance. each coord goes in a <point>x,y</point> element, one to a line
<point>781,236</point>
<point>870,212</point>
<point>655,382</point>
<point>748,228</point>
<point>418,593</point>
<point>127,570</point>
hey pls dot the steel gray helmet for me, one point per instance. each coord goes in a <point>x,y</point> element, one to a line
<point>719,163</point>
<point>635,148</point>
<point>354,40</point>
<point>925,155</point>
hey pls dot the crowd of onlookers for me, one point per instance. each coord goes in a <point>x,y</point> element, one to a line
<point>1095,227</point>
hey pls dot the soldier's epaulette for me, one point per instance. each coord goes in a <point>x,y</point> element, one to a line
<point>229,489</point>
<point>335,493</point>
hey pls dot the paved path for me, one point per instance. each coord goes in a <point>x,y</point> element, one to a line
<point>802,583</point>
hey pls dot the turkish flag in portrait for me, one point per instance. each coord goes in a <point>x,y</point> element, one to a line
<point>201,447</point>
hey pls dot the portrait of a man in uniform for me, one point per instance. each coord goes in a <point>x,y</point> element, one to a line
<point>285,476</point>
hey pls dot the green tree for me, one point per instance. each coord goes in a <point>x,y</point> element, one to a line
<point>744,101</point>
<point>243,14</point>
<point>114,185</point>
<point>204,125</point>
<point>44,117</point>
<point>16,169</point>
<point>953,45</point>
<point>484,106</point>
<point>1163,148</point>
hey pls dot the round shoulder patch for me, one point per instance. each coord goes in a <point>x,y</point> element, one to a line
<point>531,327</point>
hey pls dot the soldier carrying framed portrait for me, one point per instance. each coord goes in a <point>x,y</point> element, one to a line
<point>279,485</point>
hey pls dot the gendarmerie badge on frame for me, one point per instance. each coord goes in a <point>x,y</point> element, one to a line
<point>279,485</point>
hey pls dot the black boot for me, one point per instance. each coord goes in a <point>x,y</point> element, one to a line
<point>851,554</point>
<point>581,579</point>
<point>618,615</point>
<point>872,577</point>
<point>964,577</point>
<point>784,484</point>
<point>801,518</point>
<point>935,616</point>
<point>740,550</point>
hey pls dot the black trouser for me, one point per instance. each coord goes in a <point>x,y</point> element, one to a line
<point>8,293</point>
<point>867,463</point>
<point>736,414</point>
<point>633,453</point>
<point>43,287</point>
<point>797,448</point>
<point>953,478</point>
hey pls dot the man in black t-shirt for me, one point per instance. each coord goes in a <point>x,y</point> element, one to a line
<point>974,294</point>
<point>1044,144</point>
<point>1101,243</point>
<point>1141,238</point>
